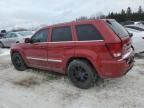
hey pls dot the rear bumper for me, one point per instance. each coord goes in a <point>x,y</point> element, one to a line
<point>117,68</point>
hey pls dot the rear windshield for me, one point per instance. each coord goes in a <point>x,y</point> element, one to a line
<point>118,29</point>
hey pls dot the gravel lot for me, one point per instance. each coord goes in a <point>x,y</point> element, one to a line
<point>41,89</point>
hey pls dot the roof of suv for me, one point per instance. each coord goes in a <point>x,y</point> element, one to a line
<point>75,22</point>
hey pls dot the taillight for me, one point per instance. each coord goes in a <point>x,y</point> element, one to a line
<point>115,49</point>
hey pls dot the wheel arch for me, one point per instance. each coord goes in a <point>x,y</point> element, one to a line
<point>15,51</point>
<point>80,58</point>
<point>20,52</point>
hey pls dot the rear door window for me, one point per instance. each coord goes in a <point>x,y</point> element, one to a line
<point>87,32</point>
<point>61,34</point>
<point>118,29</point>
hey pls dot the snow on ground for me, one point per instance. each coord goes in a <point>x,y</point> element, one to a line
<point>41,89</point>
<point>4,52</point>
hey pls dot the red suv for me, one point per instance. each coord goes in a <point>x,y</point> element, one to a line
<point>84,50</point>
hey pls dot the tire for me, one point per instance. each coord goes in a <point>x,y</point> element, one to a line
<point>1,45</point>
<point>81,74</point>
<point>18,62</point>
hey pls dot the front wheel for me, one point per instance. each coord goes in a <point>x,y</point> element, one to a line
<point>81,74</point>
<point>18,62</point>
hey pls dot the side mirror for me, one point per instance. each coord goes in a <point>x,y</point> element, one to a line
<point>130,34</point>
<point>27,40</point>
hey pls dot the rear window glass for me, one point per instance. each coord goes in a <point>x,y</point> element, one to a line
<point>118,29</point>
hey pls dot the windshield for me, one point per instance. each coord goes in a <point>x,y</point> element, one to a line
<point>135,27</point>
<point>132,30</point>
<point>25,33</point>
<point>117,28</point>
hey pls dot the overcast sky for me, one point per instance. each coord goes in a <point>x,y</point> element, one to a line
<point>54,11</point>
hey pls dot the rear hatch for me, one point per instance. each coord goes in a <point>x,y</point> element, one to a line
<point>122,33</point>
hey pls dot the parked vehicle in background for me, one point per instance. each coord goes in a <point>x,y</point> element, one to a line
<point>12,38</point>
<point>127,23</point>
<point>84,50</point>
<point>138,40</point>
<point>139,23</point>
<point>136,27</point>
<point>2,33</point>
<point>142,22</point>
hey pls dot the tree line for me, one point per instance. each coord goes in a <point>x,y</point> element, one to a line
<point>128,15</point>
<point>124,15</point>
